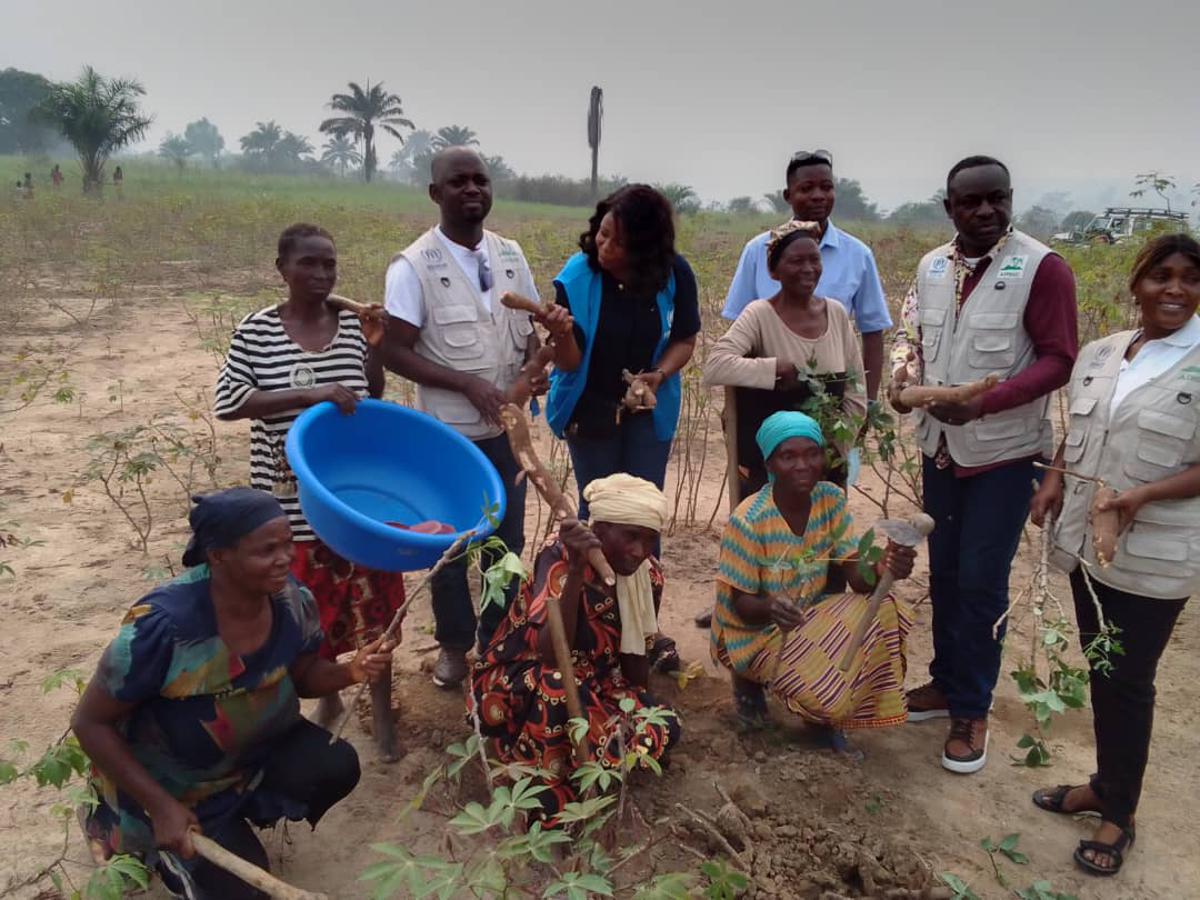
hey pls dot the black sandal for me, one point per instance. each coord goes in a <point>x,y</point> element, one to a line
<point>1052,800</point>
<point>1115,852</point>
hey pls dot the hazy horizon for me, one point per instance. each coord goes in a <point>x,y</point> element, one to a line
<point>1075,98</point>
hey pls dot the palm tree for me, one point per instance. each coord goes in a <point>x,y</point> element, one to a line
<point>340,153</point>
<point>454,136</point>
<point>292,148</point>
<point>682,196</point>
<point>364,111</point>
<point>263,140</point>
<point>175,148</point>
<point>98,116</point>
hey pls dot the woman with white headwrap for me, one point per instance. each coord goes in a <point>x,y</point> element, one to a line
<point>775,623</point>
<point>517,687</point>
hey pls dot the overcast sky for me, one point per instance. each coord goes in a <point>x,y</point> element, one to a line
<point>712,93</point>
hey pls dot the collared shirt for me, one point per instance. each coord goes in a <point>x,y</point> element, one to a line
<point>402,286</point>
<point>1153,359</point>
<point>848,275</point>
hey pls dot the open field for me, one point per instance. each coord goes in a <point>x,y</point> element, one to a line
<point>120,306</point>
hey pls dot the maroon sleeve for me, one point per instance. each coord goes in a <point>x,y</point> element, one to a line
<point>1051,322</point>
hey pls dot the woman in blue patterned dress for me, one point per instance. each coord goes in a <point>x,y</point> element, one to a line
<point>192,720</point>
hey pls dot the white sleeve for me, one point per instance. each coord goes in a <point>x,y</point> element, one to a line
<point>533,291</point>
<point>402,295</point>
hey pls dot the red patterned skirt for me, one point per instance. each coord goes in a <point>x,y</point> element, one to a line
<point>356,604</point>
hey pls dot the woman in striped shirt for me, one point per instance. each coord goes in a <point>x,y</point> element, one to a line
<point>282,360</point>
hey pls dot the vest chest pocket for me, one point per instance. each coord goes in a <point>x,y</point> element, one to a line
<point>992,350</point>
<point>1076,440</point>
<point>1159,543</point>
<point>1074,445</point>
<point>461,342</point>
<point>933,323</point>
<point>519,329</point>
<point>1163,439</point>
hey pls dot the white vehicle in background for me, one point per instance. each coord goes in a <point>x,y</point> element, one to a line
<point>1120,223</point>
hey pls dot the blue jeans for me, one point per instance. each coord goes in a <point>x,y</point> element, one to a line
<point>453,609</point>
<point>633,448</point>
<point>978,523</point>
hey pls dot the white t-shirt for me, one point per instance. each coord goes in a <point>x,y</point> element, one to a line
<point>1153,359</point>
<point>402,287</point>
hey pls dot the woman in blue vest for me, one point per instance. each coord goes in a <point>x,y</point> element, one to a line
<point>635,306</point>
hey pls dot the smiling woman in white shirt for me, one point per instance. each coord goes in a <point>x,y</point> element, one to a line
<point>1135,412</point>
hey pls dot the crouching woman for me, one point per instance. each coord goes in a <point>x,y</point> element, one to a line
<point>775,626</point>
<point>192,720</point>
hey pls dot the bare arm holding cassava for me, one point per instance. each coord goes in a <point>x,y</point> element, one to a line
<point>768,609</point>
<point>317,677</point>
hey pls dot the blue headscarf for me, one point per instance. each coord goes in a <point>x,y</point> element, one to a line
<point>222,519</point>
<point>781,426</point>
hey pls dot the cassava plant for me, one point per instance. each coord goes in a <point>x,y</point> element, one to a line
<point>64,767</point>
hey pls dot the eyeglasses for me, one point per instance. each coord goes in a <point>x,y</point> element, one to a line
<point>807,155</point>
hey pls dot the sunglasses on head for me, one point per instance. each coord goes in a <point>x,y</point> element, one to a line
<point>807,155</point>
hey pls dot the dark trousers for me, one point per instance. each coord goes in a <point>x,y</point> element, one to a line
<point>306,769</point>
<point>1123,700</point>
<point>453,608</point>
<point>977,527</point>
<point>632,448</point>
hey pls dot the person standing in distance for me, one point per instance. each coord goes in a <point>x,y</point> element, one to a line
<point>449,333</point>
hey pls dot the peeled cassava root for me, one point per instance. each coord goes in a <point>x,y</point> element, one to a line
<point>638,397</point>
<point>1106,526</point>
<point>919,395</point>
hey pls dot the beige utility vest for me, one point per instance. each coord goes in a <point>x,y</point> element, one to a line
<point>1152,435</point>
<point>986,336</point>
<point>459,331</point>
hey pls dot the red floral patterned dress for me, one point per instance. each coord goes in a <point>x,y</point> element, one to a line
<point>521,701</point>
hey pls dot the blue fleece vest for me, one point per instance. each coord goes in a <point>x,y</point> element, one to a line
<point>583,287</point>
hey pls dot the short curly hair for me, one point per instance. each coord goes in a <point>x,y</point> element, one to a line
<point>647,225</point>
<point>293,234</point>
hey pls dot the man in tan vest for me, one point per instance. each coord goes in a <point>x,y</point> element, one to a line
<point>448,332</point>
<point>992,301</point>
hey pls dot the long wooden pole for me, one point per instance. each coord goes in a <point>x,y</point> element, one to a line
<point>451,552</point>
<point>248,872</point>
<point>733,476</point>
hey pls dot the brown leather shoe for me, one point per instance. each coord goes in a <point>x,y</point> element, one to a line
<point>927,702</point>
<point>966,747</point>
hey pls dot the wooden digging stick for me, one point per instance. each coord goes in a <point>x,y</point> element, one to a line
<point>923,525</point>
<point>733,476</point>
<point>362,310</point>
<point>513,419</point>
<point>451,552</point>
<point>248,872</point>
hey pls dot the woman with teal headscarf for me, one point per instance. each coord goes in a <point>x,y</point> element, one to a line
<point>775,626</point>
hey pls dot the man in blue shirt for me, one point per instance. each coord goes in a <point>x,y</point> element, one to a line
<point>848,270</point>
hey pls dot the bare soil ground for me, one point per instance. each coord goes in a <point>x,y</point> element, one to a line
<point>819,826</point>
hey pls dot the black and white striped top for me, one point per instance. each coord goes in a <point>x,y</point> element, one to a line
<point>262,357</point>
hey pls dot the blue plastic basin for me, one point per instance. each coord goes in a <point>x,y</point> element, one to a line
<point>388,463</point>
